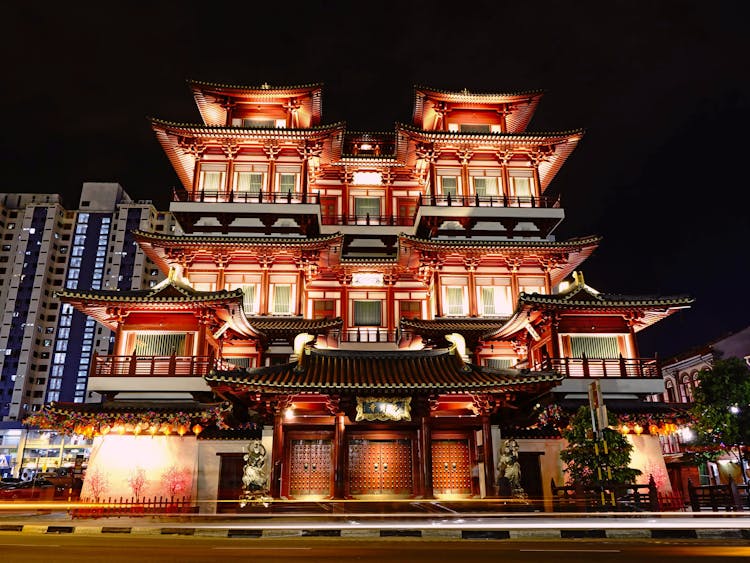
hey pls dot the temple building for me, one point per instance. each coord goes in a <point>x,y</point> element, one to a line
<point>381,309</point>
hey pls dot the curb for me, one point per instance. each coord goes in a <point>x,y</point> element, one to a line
<point>387,533</point>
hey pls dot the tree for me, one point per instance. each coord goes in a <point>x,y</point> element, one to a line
<point>137,481</point>
<point>581,460</point>
<point>722,407</point>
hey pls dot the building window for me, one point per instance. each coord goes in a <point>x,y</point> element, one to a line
<point>474,127</point>
<point>485,186</point>
<point>249,182</point>
<point>250,299</point>
<point>495,301</point>
<point>410,309</point>
<point>364,206</point>
<point>367,313</point>
<point>448,185</point>
<point>454,301</point>
<point>594,346</point>
<point>324,308</point>
<point>522,185</point>
<point>282,300</point>
<point>212,180</point>
<point>287,183</point>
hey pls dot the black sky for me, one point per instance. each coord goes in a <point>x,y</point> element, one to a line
<point>660,87</point>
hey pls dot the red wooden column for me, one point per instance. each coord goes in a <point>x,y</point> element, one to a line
<point>277,453</point>
<point>339,446</point>
<point>489,457</point>
<point>426,447</point>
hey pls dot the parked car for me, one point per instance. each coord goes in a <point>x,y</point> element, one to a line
<point>36,489</point>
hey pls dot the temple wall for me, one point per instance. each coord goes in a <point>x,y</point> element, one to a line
<point>141,466</point>
<point>647,457</point>
<point>550,465</point>
<point>210,464</point>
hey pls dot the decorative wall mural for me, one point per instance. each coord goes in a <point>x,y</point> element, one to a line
<point>140,468</point>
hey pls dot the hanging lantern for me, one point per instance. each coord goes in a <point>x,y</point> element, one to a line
<point>166,429</point>
<point>153,429</point>
<point>638,429</point>
<point>181,430</point>
<point>653,429</point>
<point>137,429</point>
<point>120,429</point>
<point>624,429</point>
<point>104,429</point>
<point>197,429</point>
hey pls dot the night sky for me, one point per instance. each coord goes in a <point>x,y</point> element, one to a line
<point>661,89</point>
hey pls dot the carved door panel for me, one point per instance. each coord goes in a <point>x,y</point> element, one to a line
<point>328,209</point>
<point>310,468</point>
<point>451,467</point>
<point>380,467</point>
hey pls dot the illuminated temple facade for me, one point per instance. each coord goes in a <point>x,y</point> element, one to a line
<point>381,309</point>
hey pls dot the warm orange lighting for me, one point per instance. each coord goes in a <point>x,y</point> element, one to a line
<point>104,429</point>
<point>137,429</point>
<point>153,429</point>
<point>624,429</point>
<point>166,429</point>
<point>638,429</point>
<point>289,413</point>
<point>653,429</point>
<point>197,429</point>
<point>120,429</point>
<point>181,429</point>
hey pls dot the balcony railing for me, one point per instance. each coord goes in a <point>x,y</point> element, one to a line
<point>366,335</point>
<point>367,219</point>
<point>488,201</point>
<point>147,366</point>
<point>251,197</point>
<point>602,367</point>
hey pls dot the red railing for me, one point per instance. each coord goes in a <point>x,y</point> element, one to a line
<point>488,201</point>
<point>214,196</point>
<point>367,219</point>
<point>133,506</point>
<point>366,335</point>
<point>145,366</point>
<point>602,367</point>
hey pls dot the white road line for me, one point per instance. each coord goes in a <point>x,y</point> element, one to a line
<point>267,548</point>
<point>27,545</point>
<point>577,550</point>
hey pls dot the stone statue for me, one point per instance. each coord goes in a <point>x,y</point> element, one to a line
<point>254,476</point>
<point>509,469</point>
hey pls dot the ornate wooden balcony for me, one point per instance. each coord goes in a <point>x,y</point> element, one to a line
<point>602,367</point>
<point>366,335</point>
<point>488,201</point>
<point>367,219</point>
<point>204,196</point>
<point>147,366</point>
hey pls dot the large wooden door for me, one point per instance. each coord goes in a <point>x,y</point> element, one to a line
<point>230,481</point>
<point>380,467</point>
<point>329,209</point>
<point>451,466</point>
<point>406,210</point>
<point>310,468</point>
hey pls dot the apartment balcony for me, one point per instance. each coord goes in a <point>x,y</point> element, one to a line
<point>624,377</point>
<point>511,216</point>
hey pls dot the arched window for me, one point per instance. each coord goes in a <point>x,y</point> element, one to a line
<point>669,391</point>
<point>686,388</point>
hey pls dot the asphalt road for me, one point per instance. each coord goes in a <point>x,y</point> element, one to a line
<point>116,549</point>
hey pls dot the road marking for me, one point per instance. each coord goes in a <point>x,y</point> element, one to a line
<point>267,548</point>
<point>577,550</point>
<point>27,545</point>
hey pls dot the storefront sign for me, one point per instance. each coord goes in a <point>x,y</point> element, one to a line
<point>382,408</point>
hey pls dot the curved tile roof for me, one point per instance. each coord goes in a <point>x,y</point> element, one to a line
<point>402,372</point>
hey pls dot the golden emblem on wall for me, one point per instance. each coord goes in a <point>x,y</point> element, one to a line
<point>383,408</point>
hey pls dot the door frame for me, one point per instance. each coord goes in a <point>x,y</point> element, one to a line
<point>384,435</point>
<point>468,434</point>
<point>287,463</point>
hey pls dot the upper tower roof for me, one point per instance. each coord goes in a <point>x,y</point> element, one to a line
<point>220,104</point>
<point>473,111</point>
